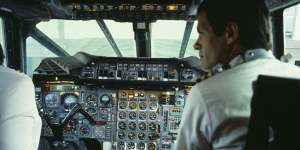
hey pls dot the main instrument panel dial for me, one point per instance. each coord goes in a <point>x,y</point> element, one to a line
<point>152,126</point>
<point>131,135</point>
<point>132,115</point>
<point>122,115</point>
<point>141,136</point>
<point>105,99</point>
<point>132,105</point>
<point>151,146</point>
<point>153,106</point>
<point>122,125</point>
<point>131,145</point>
<point>132,125</point>
<point>121,134</point>
<point>142,105</point>
<point>91,100</point>
<point>142,126</point>
<point>51,100</point>
<point>152,115</point>
<point>141,146</point>
<point>123,105</point>
<point>143,115</point>
<point>69,101</point>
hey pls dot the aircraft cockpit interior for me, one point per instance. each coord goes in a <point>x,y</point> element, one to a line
<point>114,74</point>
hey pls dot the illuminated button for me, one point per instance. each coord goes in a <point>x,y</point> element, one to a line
<point>172,7</point>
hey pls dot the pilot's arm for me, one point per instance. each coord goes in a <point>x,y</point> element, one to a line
<point>20,124</point>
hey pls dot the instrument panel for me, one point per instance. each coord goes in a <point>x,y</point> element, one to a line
<point>133,104</point>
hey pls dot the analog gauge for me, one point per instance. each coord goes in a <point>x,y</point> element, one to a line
<point>143,115</point>
<point>141,136</point>
<point>84,130</point>
<point>132,105</point>
<point>121,134</point>
<point>153,106</point>
<point>152,136</point>
<point>142,105</point>
<point>91,100</point>
<point>142,126</point>
<point>132,125</point>
<point>151,146</point>
<point>70,126</point>
<point>121,145</point>
<point>141,146</point>
<point>152,126</point>
<point>105,99</point>
<point>122,125</point>
<point>123,105</point>
<point>132,115</point>
<point>131,135</point>
<point>70,101</point>
<point>131,145</point>
<point>122,115</point>
<point>152,116</point>
<point>51,100</point>
<point>91,111</point>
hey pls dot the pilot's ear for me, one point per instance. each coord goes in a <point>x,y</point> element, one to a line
<point>232,33</point>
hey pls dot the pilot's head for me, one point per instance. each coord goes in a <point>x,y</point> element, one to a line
<point>1,55</point>
<point>229,27</point>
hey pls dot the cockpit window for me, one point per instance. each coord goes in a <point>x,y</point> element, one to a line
<point>36,52</point>
<point>87,36</point>
<point>167,38</point>
<point>292,31</point>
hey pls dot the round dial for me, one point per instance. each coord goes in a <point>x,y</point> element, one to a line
<point>142,126</point>
<point>91,100</point>
<point>84,130</point>
<point>51,100</point>
<point>132,105</point>
<point>132,115</point>
<point>123,105</point>
<point>141,136</point>
<point>70,101</point>
<point>132,126</point>
<point>121,145</point>
<point>122,125</point>
<point>131,135</point>
<point>143,116</point>
<point>131,145</point>
<point>152,116</point>
<point>141,146</point>
<point>105,99</point>
<point>122,115</point>
<point>151,146</point>
<point>142,105</point>
<point>153,106</point>
<point>152,136</point>
<point>152,126</point>
<point>121,134</point>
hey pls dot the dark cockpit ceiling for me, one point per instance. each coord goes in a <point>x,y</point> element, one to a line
<point>123,11</point>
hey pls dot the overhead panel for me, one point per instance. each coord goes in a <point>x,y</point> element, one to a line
<point>130,10</point>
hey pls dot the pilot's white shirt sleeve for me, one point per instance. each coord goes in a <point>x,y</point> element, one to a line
<point>20,124</point>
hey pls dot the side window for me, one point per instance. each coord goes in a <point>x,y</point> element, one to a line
<point>2,35</point>
<point>292,31</point>
<point>35,54</point>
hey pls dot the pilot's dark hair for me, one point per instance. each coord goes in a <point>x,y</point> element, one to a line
<point>251,16</point>
<point>1,55</point>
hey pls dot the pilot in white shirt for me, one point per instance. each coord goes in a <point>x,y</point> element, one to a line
<point>20,123</point>
<point>217,110</point>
